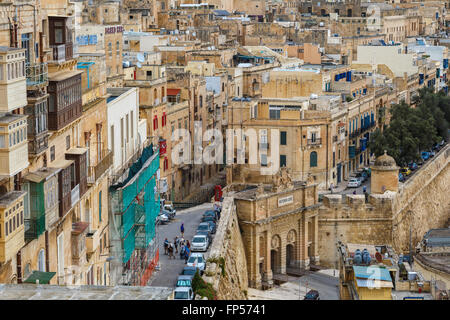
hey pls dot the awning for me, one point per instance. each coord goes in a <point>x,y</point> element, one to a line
<point>43,277</point>
<point>173,92</point>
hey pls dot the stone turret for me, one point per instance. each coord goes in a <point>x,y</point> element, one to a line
<point>384,175</point>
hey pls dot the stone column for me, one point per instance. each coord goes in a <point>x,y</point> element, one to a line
<point>315,239</point>
<point>282,255</point>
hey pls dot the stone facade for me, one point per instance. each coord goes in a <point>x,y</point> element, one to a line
<point>279,226</point>
<point>228,276</point>
<point>420,204</point>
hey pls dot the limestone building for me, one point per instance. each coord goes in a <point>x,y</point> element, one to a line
<point>279,227</point>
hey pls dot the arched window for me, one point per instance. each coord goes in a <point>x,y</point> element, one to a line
<point>313,159</point>
<point>41,260</point>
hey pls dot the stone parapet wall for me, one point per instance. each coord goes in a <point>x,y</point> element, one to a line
<point>421,203</point>
<point>226,269</point>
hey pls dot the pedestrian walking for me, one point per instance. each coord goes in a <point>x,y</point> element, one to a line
<point>171,251</point>
<point>186,255</point>
<point>354,191</point>
<point>182,242</point>
<point>166,246</point>
<point>182,251</point>
<point>176,242</point>
<point>218,214</point>
<point>182,230</point>
<point>188,244</point>
<point>364,189</point>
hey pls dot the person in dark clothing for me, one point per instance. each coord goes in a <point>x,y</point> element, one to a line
<point>218,214</point>
<point>176,242</point>
<point>186,255</point>
<point>166,246</point>
<point>188,244</point>
<point>182,230</point>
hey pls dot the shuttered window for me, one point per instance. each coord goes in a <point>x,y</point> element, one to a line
<point>313,159</point>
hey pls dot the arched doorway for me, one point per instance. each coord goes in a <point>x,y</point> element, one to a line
<point>275,256</point>
<point>289,255</point>
<point>274,261</point>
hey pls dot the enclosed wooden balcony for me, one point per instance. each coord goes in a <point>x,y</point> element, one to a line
<point>13,144</point>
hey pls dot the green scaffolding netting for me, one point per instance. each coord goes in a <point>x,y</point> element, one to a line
<point>132,221</point>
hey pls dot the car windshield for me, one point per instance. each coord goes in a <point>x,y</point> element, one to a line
<point>198,240</point>
<point>203,227</point>
<point>183,283</point>
<point>181,295</point>
<point>353,180</point>
<point>192,259</point>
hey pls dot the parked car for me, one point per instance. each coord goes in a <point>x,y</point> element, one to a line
<point>197,260</point>
<point>401,177</point>
<point>212,224</point>
<point>169,208</point>
<point>183,293</point>
<point>425,155</point>
<point>432,153</point>
<point>184,281</point>
<point>420,161</point>
<point>205,233</point>
<point>211,213</point>
<point>405,171</point>
<point>162,218</point>
<point>168,214</point>
<point>354,183</point>
<point>413,166</point>
<point>189,271</point>
<point>208,218</point>
<point>199,243</point>
<point>204,226</point>
<point>312,295</point>
<point>362,176</point>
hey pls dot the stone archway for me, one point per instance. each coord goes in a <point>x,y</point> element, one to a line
<point>291,246</point>
<point>275,254</point>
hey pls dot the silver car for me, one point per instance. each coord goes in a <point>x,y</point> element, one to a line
<point>199,243</point>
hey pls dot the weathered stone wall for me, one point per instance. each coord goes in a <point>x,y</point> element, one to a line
<point>228,272</point>
<point>421,203</point>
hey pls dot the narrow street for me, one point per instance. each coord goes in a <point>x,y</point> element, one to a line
<point>169,270</point>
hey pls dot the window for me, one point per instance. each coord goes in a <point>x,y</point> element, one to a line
<point>110,49</point>
<point>282,160</point>
<point>313,137</point>
<point>118,48</point>
<point>313,159</point>
<point>68,142</point>
<point>52,153</point>
<point>283,138</point>
<point>100,206</point>
<point>274,114</point>
<point>264,160</point>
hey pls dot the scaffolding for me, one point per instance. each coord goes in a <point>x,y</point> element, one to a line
<point>135,205</point>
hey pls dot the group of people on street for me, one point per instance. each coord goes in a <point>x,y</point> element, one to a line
<point>170,248</point>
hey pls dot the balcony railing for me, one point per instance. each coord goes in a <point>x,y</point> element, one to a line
<point>62,52</point>
<point>95,172</point>
<point>37,74</point>
<point>315,141</point>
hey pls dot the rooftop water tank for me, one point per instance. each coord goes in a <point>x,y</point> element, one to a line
<point>357,258</point>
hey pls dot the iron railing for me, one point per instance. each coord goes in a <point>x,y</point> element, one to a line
<point>315,141</point>
<point>95,172</point>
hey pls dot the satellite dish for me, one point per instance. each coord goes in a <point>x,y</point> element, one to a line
<point>138,64</point>
<point>140,57</point>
